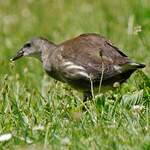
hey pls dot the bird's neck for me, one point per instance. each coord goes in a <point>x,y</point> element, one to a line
<point>46,53</point>
<point>46,49</point>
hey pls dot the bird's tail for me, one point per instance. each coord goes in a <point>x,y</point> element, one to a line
<point>136,65</point>
<point>132,66</point>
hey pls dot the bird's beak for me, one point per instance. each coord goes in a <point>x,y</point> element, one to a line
<point>18,55</point>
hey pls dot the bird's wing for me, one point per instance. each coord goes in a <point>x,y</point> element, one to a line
<point>91,55</point>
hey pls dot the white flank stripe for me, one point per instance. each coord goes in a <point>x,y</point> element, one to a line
<point>5,137</point>
<point>67,63</point>
<point>83,74</point>
<point>78,70</point>
<point>70,65</point>
<point>74,67</point>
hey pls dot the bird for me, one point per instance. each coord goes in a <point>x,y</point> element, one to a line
<point>88,62</point>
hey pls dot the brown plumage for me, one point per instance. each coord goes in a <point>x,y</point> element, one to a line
<point>82,61</point>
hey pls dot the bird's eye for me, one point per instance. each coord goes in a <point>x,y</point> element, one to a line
<point>27,45</point>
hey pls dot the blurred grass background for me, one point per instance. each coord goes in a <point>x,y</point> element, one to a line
<point>30,99</point>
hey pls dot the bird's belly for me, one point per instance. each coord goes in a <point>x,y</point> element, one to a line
<point>55,75</point>
<point>83,86</point>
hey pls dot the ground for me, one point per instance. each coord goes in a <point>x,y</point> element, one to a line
<point>37,112</point>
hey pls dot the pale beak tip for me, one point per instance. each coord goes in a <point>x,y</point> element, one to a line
<point>12,59</point>
<point>17,56</point>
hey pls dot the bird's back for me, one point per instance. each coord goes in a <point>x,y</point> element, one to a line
<point>89,57</point>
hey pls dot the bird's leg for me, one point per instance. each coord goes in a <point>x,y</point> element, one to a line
<point>86,96</point>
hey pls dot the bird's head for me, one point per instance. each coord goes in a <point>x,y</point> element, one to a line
<point>33,48</point>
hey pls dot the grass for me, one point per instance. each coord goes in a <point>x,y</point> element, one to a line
<point>41,113</point>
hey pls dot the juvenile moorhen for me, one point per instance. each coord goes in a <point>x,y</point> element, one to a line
<point>84,62</point>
